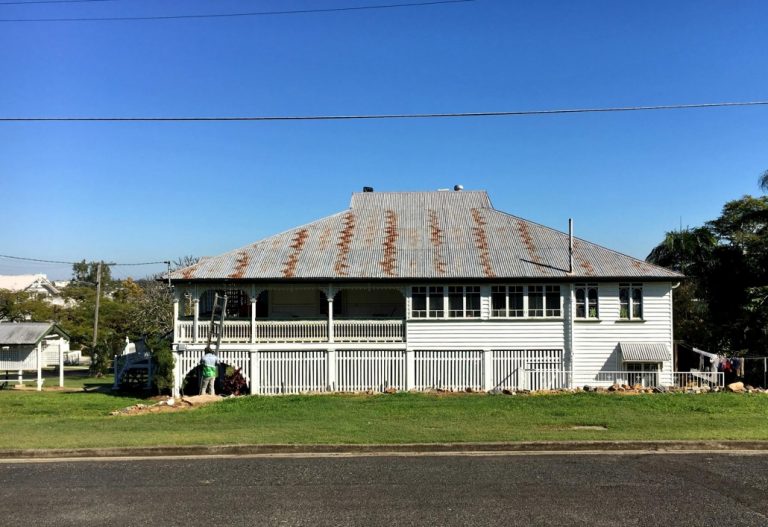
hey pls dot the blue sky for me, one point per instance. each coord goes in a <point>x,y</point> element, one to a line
<point>156,191</point>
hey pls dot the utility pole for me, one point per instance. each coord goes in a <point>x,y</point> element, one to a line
<point>96,313</point>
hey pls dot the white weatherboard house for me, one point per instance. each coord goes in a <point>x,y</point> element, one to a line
<point>424,290</point>
<point>31,346</point>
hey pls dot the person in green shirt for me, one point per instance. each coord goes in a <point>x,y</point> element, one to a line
<point>209,363</point>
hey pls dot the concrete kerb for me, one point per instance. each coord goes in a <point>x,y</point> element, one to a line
<point>539,447</point>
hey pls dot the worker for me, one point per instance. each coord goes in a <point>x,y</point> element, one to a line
<point>209,363</point>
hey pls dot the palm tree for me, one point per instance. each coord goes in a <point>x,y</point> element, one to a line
<point>763,181</point>
<point>687,251</point>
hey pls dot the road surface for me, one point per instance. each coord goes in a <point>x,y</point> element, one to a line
<point>603,489</point>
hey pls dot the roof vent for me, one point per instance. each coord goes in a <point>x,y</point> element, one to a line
<point>458,187</point>
<point>367,189</point>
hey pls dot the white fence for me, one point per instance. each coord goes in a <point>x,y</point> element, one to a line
<point>293,372</point>
<point>649,379</point>
<point>285,372</point>
<point>519,369</point>
<point>448,370</point>
<point>698,379</point>
<point>278,331</point>
<point>376,370</point>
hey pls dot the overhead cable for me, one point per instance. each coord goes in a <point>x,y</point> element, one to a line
<point>386,116</point>
<point>233,15</point>
<point>73,263</point>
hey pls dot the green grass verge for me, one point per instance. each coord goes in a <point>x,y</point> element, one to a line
<point>69,420</point>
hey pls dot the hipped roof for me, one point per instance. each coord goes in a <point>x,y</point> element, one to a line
<point>420,235</point>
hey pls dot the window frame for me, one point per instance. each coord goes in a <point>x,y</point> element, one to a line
<point>446,309</point>
<point>586,289</point>
<point>514,309</point>
<point>627,310</point>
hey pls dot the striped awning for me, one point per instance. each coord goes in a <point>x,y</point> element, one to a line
<point>644,352</point>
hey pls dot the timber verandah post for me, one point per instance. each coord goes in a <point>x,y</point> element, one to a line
<point>195,319</point>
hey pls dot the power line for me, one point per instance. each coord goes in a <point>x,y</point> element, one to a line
<point>231,15</point>
<point>389,116</point>
<point>73,263</point>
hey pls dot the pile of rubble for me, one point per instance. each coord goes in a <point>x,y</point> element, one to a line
<point>168,405</point>
<point>626,389</point>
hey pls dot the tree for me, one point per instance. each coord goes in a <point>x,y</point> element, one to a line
<point>20,306</point>
<point>687,251</point>
<point>87,272</point>
<point>722,305</point>
<point>763,181</point>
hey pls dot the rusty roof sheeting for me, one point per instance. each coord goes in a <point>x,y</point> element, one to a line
<point>391,235</point>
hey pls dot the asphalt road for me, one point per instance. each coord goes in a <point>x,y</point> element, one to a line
<point>612,490</point>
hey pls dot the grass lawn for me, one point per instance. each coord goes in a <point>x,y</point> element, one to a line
<point>51,419</point>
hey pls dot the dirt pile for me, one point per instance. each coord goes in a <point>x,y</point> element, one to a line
<point>169,405</point>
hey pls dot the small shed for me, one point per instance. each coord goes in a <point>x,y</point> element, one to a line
<point>32,346</point>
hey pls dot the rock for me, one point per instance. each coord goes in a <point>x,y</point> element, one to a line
<point>660,389</point>
<point>614,388</point>
<point>468,389</point>
<point>507,391</point>
<point>638,387</point>
<point>735,387</point>
<point>390,390</point>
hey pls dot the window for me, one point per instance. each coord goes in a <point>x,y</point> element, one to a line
<point>435,307</point>
<point>510,301</point>
<point>586,301</point>
<point>472,295</point>
<point>535,301</point>
<point>418,302</point>
<point>464,301</point>
<point>499,301</point>
<point>432,301</point>
<point>455,301</point>
<point>552,297</point>
<point>631,301</point>
<point>507,301</point>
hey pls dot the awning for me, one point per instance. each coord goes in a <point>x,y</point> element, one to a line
<point>644,352</point>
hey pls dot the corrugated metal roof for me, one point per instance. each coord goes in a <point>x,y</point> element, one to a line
<point>644,352</point>
<point>14,333</point>
<point>393,235</point>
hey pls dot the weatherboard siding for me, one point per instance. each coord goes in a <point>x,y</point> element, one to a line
<point>595,343</point>
<point>485,334</point>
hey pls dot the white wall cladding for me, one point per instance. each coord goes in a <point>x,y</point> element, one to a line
<point>483,334</point>
<point>293,371</point>
<point>376,370</point>
<point>512,369</point>
<point>595,343</point>
<point>449,370</point>
<point>17,358</point>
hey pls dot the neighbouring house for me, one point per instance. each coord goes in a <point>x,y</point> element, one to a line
<point>36,284</point>
<point>31,346</point>
<point>429,290</point>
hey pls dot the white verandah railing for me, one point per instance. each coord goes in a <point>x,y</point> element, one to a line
<point>276,331</point>
<point>649,379</point>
